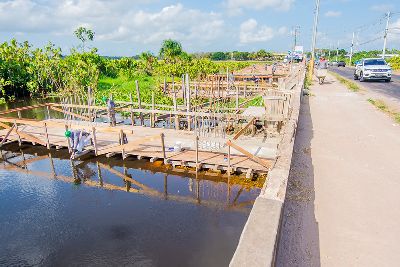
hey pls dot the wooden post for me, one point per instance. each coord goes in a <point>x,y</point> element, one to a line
<point>6,136</point>
<point>237,97</point>
<point>175,105</point>
<point>94,140</point>
<point>132,117</point>
<point>189,119</point>
<point>197,153</point>
<point>165,186</point>
<point>163,147</point>
<point>165,85</point>
<point>47,135</point>
<point>99,174</point>
<point>48,112</point>
<point>152,115</point>
<point>68,141</point>
<point>229,160</point>
<point>19,114</point>
<point>139,101</point>
<point>121,142</point>
<point>53,169</point>
<point>245,91</point>
<point>16,131</point>
<point>183,89</point>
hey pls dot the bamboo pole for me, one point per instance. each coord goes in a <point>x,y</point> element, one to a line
<point>132,117</point>
<point>163,147</point>
<point>229,160</point>
<point>94,140</point>
<point>47,135</point>
<point>189,118</point>
<point>68,140</point>
<point>139,101</point>
<point>6,136</point>
<point>197,153</point>
<point>121,142</point>
<point>16,131</point>
<point>152,115</point>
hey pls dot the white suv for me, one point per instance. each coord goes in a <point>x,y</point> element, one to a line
<point>373,69</point>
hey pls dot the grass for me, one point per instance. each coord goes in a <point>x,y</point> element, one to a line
<point>349,84</point>
<point>379,104</point>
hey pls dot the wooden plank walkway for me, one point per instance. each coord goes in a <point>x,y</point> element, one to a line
<point>143,142</point>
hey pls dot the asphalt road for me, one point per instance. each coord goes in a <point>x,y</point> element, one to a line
<point>391,89</point>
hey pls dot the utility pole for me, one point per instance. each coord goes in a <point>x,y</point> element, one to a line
<point>337,51</point>
<point>351,49</point>
<point>385,35</point>
<point>314,38</point>
<point>295,32</point>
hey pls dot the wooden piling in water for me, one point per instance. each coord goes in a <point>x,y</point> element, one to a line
<point>94,141</point>
<point>47,135</point>
<point>163,147</point>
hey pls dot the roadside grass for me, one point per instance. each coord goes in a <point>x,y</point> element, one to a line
<point>349,84</point>
<point>379,104</point>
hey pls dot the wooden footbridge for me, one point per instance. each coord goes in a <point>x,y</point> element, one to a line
<point>239,139</point>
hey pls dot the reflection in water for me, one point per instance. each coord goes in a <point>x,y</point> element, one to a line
<point>116,212</point>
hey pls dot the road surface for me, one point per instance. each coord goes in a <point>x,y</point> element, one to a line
<point>341,207</point>
<point>391,90</point>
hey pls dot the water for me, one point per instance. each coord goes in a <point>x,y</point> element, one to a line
<point>58,213</point>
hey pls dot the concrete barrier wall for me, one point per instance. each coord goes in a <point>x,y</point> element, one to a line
<point>258,242</point>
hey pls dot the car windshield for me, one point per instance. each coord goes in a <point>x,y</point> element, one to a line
<point>371,62</point>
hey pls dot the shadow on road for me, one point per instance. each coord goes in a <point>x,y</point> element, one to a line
<point>299,237</point>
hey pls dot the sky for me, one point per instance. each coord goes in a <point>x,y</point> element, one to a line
<point>129,27</point>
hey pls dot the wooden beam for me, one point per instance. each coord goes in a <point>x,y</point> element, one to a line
<point>70,113</point>
<point>8,133</point>
<point>24,135</point>
<point>244,128</point>
<point>22,108</point>
<point>248,154</point>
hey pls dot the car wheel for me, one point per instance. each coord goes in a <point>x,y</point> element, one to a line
<point>388,80</point>
<point>362,77</point>
<point>355,76</point>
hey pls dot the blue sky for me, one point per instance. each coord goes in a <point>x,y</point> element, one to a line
<point>128,27</point>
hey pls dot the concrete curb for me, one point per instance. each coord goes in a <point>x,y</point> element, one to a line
<point>258,242</point>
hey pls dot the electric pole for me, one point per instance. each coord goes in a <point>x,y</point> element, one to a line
<point>351,49</point>
<point>314,38</point>
<point>337,51</point>
<point>296,33</point>
<point>385,35</point>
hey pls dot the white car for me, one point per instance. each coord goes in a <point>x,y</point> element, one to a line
<point>373,69</point>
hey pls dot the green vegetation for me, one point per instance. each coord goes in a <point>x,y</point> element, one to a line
<point>395,62</point>
<point>349,84</point>
<point>381,105</point>
<point>25,71</point>
<point>260,55</point>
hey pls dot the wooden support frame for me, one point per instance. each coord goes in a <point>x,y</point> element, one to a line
<point>248,154</point>
<point>251,122</point>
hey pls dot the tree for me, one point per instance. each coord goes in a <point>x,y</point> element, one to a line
<point>84,35</point>
<point>170,50</point>
<point>218,56</point>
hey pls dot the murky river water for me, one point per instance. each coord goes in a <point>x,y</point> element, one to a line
<point>110,212</point>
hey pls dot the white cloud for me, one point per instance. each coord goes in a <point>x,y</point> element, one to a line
<point>117,20</point>
<point>382,7</point>
<point>251,32</point>
<point>236,6</point>
<point>394,33</point>
<point>332,13</point>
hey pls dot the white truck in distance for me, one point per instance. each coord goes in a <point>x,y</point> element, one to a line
<point>373,69</point>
